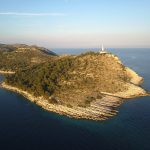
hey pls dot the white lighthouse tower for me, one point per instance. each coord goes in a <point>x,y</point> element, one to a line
<point>103,50</point>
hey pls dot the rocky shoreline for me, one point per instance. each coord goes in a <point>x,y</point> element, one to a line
<point>6,72</point>
<point>100,109</point>
<point>75,112</point>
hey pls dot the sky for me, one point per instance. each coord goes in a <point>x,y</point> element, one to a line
<point>76,23</point>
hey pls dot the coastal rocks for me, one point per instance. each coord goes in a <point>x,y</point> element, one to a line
<point>133,90</point>
<point>6,72</point>
<point>100,109</point>
<point>135,78</point>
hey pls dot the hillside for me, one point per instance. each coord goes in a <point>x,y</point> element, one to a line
<point>75,80</point>
<point>18,56</point>
<point>90,85</point>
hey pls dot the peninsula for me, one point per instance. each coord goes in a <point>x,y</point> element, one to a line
<point>86,86</point>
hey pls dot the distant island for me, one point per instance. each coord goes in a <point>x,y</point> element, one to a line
<point>86,86</point>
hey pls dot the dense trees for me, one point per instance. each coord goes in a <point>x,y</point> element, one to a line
<point>41,79</point>
<point>14,58</point>
<point>70,80</point>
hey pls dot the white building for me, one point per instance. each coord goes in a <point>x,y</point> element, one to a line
<point>103,50</point>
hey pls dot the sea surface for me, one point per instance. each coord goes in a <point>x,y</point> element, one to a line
<point>25,126</point>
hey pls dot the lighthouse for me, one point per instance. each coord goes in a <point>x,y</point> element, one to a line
<point>103,50</point>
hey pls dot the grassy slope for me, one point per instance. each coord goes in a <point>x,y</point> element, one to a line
<point>73,80</point>
<point>14,58</point>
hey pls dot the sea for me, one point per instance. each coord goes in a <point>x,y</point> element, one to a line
<point>26,126</point>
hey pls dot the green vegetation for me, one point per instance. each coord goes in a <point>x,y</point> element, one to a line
<point>43,79</point>
<point>14,57</point>
<point>89,53</point>
<point>71,80</point>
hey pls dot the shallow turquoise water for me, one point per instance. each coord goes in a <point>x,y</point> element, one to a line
<point>25,126</point>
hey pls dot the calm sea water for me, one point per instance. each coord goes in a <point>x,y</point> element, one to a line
<point>25,126</point>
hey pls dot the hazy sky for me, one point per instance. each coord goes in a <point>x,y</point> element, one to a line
<point>76,23</point>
